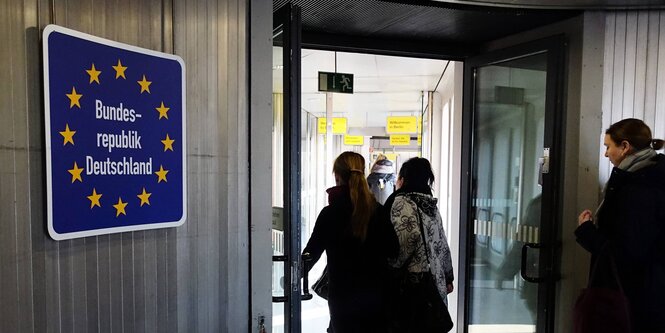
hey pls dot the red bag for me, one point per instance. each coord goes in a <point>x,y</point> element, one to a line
<point>602,309</point>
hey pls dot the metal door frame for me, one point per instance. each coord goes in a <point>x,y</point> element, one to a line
<point>288,20</point>
<point>550,229</point>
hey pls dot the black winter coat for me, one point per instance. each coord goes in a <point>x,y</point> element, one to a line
<point>357,270</point>
<point>631,226</point>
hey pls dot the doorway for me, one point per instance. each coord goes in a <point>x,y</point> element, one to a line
<point>510,121</point>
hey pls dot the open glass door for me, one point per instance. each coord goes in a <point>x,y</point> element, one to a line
<point>286,162</point>
<point>512,159</point>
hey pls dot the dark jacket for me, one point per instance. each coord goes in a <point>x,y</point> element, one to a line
<point>631,226</point>
<point>382,185</point>
<point>357,270</point>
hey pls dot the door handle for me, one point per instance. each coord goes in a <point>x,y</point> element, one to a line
<point>306,259</point>
<point>523,268</point>
<point>294,273</point>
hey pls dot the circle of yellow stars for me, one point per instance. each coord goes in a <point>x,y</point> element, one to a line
<point>68,137</point>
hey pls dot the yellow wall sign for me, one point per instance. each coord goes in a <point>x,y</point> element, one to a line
<point>390,156</point>
<point>401,125</point>
<point>354,140</point>
<point>339,125</point>
<point>400,140</point>
<point>321,122</point>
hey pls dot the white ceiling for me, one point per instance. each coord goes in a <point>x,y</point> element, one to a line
<point>383,85</point>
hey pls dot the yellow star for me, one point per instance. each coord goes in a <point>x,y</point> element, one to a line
<point>76,173</point>
<point>68,135</point>
<point>168,143</point>
<point>94,199</point>
<point>120,207</point>
<point>145,84</point>
<point>145,197</point>
<point>119,70</point>
<point>161,174</point>
<point>94,74</point>
<point>163,111</point>
<point>74,98</point>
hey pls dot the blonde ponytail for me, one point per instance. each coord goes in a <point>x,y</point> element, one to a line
<point>349,166</point>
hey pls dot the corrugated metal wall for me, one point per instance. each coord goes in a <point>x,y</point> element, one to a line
<point>634,72</point>
<point>190,279</point>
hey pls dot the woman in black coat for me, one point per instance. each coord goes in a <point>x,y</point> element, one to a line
<point>357,242</point>
<point>630,224</point>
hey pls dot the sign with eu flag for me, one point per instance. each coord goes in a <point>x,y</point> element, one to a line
<point>115,136</point>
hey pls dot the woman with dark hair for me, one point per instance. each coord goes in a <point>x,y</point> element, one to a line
<point>357,243</point>
<point>626,238</point>
<point>424,255</point>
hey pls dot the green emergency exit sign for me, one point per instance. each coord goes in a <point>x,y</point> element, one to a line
<point>336,82</point>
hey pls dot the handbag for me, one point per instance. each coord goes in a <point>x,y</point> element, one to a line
<point>420,306</point>
<point>320,287</point>
<point>602,309</point>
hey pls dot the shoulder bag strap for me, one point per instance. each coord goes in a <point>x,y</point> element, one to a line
<point>422,235</point>
<point>607,250</point>
<point>615,271</point>
<point>406,263</point>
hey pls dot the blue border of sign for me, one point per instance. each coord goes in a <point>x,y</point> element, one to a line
<point>76,220</point>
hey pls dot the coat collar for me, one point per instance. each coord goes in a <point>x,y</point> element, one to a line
<point>337,194</point>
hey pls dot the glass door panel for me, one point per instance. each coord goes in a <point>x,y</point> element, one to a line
<point>278,268</point>
<point>316,169</point>
<point>509,104</point>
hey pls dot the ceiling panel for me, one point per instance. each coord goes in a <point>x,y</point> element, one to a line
<point>455,29</point>
<point>566,4</point>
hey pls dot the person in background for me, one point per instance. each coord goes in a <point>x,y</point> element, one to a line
<point>410,209</point>
<point>629,224</point>
<point>357,242</point>
<point>382,178</point>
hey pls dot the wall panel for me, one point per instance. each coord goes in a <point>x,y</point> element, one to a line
<point>165,280</point>
<point>634,72</point>
<point>642,28</point>
<point>630,64</point>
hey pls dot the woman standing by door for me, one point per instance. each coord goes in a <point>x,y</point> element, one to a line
<point>627,236</point>
<point>357,243</point>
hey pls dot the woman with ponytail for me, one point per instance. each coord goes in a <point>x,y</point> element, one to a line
<point>626,235</point>
<point>357,242</point>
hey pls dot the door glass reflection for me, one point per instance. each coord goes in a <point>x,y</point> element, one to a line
<point>315,172</point>
<point>508,142</point>
<point>278,186</point>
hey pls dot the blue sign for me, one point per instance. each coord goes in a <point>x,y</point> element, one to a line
<point>115,136</point>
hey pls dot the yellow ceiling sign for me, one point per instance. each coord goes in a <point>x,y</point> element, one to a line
<point>401,125</point>
<point>354,140</point>
<point>400,140</point>
<point>339,125</point>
